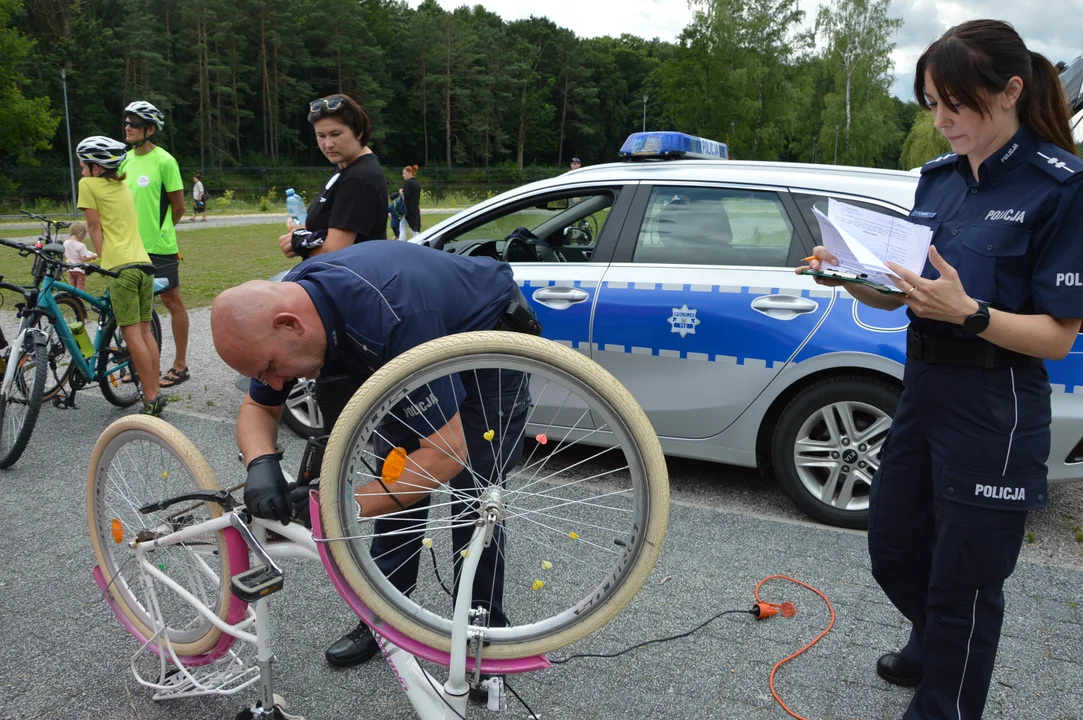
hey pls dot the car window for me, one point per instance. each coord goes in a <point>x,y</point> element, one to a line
<point>552,229</point>
<point>714,226</point>
<point>808,201</point>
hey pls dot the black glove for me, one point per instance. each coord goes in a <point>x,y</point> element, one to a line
<point>265,492</point>
<point>298,495</point>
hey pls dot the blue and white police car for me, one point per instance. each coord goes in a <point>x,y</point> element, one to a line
<point>677,277</point>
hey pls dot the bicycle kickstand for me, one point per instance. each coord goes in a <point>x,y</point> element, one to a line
<point>65,400</point>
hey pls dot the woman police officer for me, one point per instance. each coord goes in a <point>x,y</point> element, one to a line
<point>966,456</point>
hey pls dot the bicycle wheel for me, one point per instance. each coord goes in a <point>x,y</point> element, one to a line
<point>19,408</point>
<point>116,372</point>
<point>583,507</point>
<point>136,461</point>
<point>72,310</point>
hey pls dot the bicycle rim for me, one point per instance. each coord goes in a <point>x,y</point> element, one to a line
<point>584,504</point>
<point>136,461</point>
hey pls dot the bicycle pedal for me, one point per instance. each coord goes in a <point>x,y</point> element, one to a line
<point>256,583</point>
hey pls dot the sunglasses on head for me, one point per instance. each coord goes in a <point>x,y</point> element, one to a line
<point>332,104</point>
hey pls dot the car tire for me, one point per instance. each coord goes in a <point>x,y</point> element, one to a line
<point>301,413</point>
<point>826,447</point>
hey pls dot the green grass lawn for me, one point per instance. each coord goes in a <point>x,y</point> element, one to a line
<point>213,259</point>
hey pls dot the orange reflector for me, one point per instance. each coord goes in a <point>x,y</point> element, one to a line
<point>113,379</point>
<point>394,464</point>
<point>118,531</point>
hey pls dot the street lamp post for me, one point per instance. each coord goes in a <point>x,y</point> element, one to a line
<point>646,97</point>
<point>836,160</point>
<point>71,151</point>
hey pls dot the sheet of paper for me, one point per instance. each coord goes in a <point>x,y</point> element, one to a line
<point>864,240</point>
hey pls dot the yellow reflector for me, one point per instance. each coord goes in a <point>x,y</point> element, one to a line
<point>394,464</point>
<point>118,531</point>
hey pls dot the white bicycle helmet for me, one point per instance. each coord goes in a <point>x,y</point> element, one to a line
<point>100,150</point>
<point>147,112</point>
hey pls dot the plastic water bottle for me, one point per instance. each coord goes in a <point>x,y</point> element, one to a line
<point>83,340</point>
<point>295,206</point>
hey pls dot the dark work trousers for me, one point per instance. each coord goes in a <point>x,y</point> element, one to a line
<point>963,463</point>
<point>495,400</point>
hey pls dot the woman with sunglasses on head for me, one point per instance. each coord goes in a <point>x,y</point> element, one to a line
<point>353,204</point>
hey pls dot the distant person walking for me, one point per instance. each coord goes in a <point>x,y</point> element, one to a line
<point>353,205</point>
<point>154,178</point>
<point>411,193</point>
<point>199,197</point>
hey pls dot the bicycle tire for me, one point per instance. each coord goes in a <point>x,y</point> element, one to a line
<point>133,428</point>
<point>60,368</point>
<point>593,376</point>
<point>39,355</point>
<point>110,391</point>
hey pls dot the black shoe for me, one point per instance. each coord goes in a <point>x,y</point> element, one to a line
<point>353,648</point>
<point>895,670</point>
<point>480,694</point>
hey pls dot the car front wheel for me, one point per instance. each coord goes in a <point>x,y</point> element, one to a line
<point>302,414</point>
<point>826,447</point>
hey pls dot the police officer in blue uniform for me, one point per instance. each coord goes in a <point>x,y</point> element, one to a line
<point>340,317</point>
<point>966,456</point>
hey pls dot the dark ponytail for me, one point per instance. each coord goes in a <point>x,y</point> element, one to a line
<point>973,61</point>
<point>1045,109</point>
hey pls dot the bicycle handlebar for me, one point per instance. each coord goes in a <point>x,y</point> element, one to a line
<point>28,249</point>
<point>57,223</point>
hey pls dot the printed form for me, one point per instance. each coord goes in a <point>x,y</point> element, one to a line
<point>864,240</point>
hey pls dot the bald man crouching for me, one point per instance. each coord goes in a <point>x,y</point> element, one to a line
<point>338,318</point>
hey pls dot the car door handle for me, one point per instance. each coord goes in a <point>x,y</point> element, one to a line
<point>560,298</point>
<point>784,307</point>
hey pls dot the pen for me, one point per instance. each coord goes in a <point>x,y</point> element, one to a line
<point>808,259</point>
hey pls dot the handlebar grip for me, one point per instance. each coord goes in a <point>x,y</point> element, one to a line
<point>97,269</point>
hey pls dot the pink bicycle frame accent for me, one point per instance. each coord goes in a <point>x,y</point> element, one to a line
<point>488,666</point>
<point>238,563</point>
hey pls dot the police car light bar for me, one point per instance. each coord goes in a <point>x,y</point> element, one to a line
<point>672,146</point>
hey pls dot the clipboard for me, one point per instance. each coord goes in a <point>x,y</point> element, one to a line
<point>849,277</point>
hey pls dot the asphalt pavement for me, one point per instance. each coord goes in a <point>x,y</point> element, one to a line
<point>65,656</point>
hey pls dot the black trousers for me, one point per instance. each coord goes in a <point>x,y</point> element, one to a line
<point>963,463</point>
<point>493,397</point>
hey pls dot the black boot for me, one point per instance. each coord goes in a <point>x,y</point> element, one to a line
<point>353,648</point>
<point>895,670</point>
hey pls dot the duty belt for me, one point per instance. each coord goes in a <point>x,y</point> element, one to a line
<point>518,315</point>
<point>948,350</point>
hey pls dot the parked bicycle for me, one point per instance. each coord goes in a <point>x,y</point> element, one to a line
<point>45,354</point>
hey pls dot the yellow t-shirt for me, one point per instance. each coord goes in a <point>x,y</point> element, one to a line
<point>121,243</point>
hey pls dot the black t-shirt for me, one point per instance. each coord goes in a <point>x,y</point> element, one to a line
<point>354,199</point>
<point>411,190</point>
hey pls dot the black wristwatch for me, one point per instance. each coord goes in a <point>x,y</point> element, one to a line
<point>977,323</point>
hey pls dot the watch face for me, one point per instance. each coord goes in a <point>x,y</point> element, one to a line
<point>978,322</point>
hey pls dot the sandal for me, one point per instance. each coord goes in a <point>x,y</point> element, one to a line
<point>174,377</point>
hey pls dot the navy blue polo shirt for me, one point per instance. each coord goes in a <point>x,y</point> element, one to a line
<point>380,298</point>
<point>1014,233</point>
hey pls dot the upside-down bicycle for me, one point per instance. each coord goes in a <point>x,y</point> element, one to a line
<point>583,511</point>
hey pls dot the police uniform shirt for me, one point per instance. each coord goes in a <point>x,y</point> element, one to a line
<point>379,299</point>
<point>354,199</point>
<point>1014,234</point>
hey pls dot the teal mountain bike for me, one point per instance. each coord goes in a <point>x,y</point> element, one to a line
<point>44,354</point>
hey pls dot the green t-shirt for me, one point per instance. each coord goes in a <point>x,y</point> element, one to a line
<point>112,200</point>
<point>150,178</point>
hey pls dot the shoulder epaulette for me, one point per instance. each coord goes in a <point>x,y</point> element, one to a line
<point>1061,164</point>
<point>938,162</point>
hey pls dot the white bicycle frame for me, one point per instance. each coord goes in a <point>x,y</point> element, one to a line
<point>231,673</point>
<point>13,360</point>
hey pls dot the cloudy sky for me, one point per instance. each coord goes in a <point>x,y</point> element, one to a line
<point>1052,27</point>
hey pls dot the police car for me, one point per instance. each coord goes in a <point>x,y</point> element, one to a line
<point>674,271</point>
